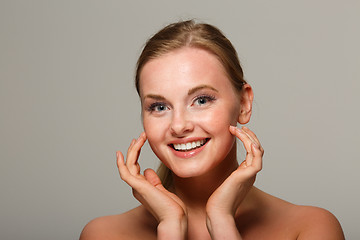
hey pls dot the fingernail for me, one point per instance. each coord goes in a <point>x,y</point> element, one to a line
<point>117,154</point>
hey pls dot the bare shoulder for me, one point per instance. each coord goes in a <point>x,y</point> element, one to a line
<point>279,219</point>
<point>317,223</point>
<point>134,224</point>
<point>309,222</point>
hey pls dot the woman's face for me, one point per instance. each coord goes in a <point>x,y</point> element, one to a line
<point>188,104</point>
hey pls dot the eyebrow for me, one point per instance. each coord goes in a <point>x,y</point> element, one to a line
<point>195,89</point>
<point>154,96</point>
<point>191,91</point>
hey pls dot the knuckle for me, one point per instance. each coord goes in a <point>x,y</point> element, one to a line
<point>123,175</point>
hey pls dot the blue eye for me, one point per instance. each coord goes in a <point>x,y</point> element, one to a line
<point>202,100</point>
<point>157,107</point>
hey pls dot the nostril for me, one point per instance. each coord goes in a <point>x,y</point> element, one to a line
<point>179,129</point>
<point>181,122</point>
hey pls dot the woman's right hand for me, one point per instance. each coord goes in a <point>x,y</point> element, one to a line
<point>165,206</point>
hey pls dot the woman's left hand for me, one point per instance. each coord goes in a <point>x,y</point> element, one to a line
<point>224,202</point>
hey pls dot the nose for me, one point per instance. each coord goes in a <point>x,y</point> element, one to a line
<point>181,123</point>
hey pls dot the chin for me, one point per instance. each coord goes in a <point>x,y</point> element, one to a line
<point>187,174</point>
<point>189,169</point>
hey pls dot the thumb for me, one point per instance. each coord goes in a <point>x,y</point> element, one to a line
<point>152,177</point>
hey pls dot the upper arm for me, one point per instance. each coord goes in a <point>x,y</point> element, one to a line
<point>318,223</point>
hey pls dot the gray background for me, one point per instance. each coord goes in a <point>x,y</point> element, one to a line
<point>67,103</point>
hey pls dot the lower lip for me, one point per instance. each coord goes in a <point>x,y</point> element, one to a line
<point>189,154</point>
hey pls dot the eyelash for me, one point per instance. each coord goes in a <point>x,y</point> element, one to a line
<point>153,106</point>
<point>208,98</point>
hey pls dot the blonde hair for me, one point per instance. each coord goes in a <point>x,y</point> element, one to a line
<point>190,34</point>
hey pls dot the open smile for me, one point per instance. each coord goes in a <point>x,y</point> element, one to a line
<point>189,146</point>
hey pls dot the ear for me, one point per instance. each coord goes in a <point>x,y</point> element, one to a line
<point>246,100</point>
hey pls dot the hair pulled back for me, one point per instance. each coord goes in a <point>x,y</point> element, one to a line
<point>191,34</point>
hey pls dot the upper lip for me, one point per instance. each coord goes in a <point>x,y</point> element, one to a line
<point>186,140</point>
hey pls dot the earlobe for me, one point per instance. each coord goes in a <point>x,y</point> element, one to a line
<point>246,100</point>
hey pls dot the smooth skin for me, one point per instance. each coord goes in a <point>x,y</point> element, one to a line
<point>213,197</point>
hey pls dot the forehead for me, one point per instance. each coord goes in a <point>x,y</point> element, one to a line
<point>181,69</point>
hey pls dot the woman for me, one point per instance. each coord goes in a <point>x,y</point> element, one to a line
<point>193,94</point>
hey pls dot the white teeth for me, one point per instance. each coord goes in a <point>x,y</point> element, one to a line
<point>190,145</point>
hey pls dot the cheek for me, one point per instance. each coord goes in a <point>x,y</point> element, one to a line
<point>150,128</point>
<point>220,118</point>
<point>155,129</point>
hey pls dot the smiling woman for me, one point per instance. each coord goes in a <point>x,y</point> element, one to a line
<point>199,105</point>
<point>193,95</point>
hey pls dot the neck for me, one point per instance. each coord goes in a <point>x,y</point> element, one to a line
<point>195,191</point>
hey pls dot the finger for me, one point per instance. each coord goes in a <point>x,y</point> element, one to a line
<point>152,177</point>
<point>123,170</point>
<point>244,138</point>
<point>154,196</point>
<point>243,164</point>
<point>133,155</point>
<point>134,146</point>
<point>248,138</point>
<point>132,143</point>
<point>253,136</point>
<point>119,158</point>
<point>130,149</point>
<point>256,158</point>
